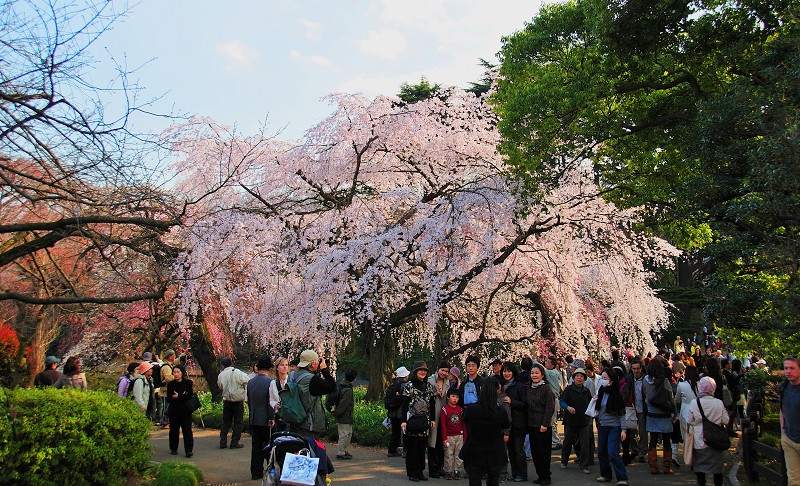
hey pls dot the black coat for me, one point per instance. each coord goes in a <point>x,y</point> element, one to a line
<point>541,405</point>
<point>518,393</point>
<point>478,382</point>
<point>578,398</point>
<point>177,406</point>
<point>484,446</point>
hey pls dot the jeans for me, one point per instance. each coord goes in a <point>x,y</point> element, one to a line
<point>608,453</point>
<point>232,415</point>
<point>260,435</point>
<point>178,425</point>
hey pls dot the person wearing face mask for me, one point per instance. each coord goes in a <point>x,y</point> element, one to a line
<point>541,407</point>
<point>610,410</point>
<point>514,396</point>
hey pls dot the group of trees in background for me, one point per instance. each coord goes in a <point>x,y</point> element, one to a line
<point>534,211</point>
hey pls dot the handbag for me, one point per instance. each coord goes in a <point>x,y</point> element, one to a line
<point>591,410</point>
<point>630,421</point>
<point>688,447</point>
<point>299,470</point>
<point>193,403</point>
<point>418,424</point>
<point>714,435</point>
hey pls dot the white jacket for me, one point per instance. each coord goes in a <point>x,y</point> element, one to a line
<point>233,383</point>
<point>684,396</point>
<point>715,412</point>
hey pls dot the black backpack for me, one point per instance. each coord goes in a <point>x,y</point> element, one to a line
<point>157,382</point>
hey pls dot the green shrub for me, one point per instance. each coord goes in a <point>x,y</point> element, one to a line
<point>178,474</point>
<point>368,429</point>
<point>51,436</point>
<point>211,412</point>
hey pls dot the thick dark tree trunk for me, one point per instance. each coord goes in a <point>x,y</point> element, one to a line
<point>203,354</point>
<point>380,351</point>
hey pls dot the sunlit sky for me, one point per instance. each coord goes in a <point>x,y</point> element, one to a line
<point>240,62</point>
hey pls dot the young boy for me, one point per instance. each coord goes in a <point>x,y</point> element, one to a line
<point>453,433</point>
<point>344,415</point>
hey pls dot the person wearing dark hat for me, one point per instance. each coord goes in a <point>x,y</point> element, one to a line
<point>577,425</point>
<point>179,392</point>
<point>441,384</point>
<point>418,419</point>
<point>262,415</point>
<point>471,385</point>
<point>50,375</point>
<point>541,407</point>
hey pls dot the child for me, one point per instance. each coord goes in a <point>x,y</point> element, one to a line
<point>344,415</point>
<point>453,433</point>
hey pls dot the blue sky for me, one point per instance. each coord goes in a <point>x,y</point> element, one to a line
<point>241,61</point>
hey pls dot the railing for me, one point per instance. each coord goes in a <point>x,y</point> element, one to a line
<point>752,450</point>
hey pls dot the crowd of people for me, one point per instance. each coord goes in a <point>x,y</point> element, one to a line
<point>484,424</point>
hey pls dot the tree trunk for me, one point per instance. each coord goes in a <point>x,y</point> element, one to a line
<point>203,354</point>
<point>380,352</point>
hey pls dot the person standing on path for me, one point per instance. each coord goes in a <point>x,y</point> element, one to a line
<point>471,386</point>
<point>452,428</point>
<point>143,387</point>
<point>418,418</point>
<point>484,451</point>
<point>706,459</point>
<point>179,391</point>
<point>276,387</point>
<point>163,378</point>
<point>516,398</point>
<point>610,410</point>
<point>636,441</point>
<point>577,426</point>
<point>233,383</point>
<point>555,379</point>
<point>790,418</point>
<point>262,415</point>
<point>344,415</point>
<point>393,401</point>
<point>441,384</point>
<point>50,375</point>
<point>314,380</point>
<point>660,407</point>
<point>541,408</point>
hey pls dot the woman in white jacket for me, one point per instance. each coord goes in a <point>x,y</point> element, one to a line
<point>706,460</point>
<point>687,378</point>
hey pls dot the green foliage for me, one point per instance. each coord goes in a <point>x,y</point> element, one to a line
<point>756,380</point>
<point>368,429</point>
<point>411,93</point>
<point>51,436</point>
<point>773,346</point>
<point>689,109</point>
<point>178,474</point>
<point>211,412</point>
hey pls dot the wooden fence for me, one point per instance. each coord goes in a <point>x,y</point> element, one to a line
<point>773,471</point>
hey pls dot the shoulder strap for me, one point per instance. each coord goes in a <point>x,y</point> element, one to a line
<point>700,407</point>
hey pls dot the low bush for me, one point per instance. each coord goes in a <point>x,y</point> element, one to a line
<point>368,429</point>
<point>177,474</point>
<point>211,412</point>
<point>52,436</point>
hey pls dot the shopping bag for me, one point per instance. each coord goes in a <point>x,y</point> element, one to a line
<point>630,421</point>
<point>688,446</point>
<point>387,423</point>
<point>591,410</point>
<point>299,470</point>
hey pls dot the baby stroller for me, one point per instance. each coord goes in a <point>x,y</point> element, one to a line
<point>289,442</point>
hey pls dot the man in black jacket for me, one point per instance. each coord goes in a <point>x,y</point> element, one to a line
<point>394,401</point>
<point>344,415</point>
<point>470,388</point>
<point>574,400</point>
<point>261,415</point>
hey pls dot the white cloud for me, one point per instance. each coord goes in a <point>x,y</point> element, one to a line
<point>312,29</point>
<point>313,59</point>
<point>237,54</point>
<point>384,44</point>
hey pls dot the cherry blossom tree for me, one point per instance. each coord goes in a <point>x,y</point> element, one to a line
<point>395,221</point>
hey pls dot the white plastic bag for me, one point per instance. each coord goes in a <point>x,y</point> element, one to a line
<point>387,423</point>
<point>591,410</point>
<point>299,470</point>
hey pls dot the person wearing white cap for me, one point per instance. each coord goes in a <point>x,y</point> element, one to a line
<point>142,387</point>
<point>394,401</point>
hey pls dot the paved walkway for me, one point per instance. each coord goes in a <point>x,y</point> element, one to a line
<point>369,466</point>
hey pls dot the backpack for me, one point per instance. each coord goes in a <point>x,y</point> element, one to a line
<point>292,410</point>
<point>129,388</point>
<point>157,382</point>
<point>393,400</point>
<point>332,399</point>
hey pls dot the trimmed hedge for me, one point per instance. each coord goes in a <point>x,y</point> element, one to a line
<point>178,474</point>
<point>52,436</point>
